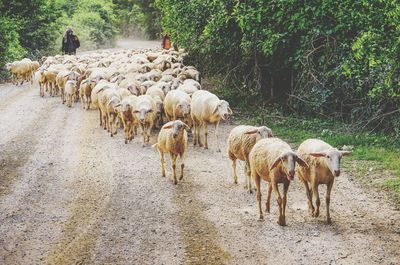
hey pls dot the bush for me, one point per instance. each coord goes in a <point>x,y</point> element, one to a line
<point>321,58</point>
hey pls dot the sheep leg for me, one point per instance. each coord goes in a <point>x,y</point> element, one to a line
<point>328,200</point>
<point>182,158</point>
<point>195,140</point>
<point>316,196</point>
<point>309,198</point>
<point>205,135</point>
<point>234,170</point>
<point>268,202</point>
<point>257,180</point>
<point>173,160</point>
<point>110,124</point>
<point>217,135</point>
<point>199,135</point>
<point>281,220</point>
<point>148,132</point>
<point>101,118</point>
<point>162,162</point>
<point>285,190</point>
<point>247,173</point>
<point>143,134</point>
<point>126,131</point>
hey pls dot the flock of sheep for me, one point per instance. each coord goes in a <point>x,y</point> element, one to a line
<point>153,88</point>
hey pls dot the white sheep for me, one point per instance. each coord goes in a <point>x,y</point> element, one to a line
<point>172,139</point>
<point>125,112</point>
<point>207,108</point>
<point>69,90</point>
<point>177,106</point>
<point>241,140</point>
<point>20,70</point>
<point>274,161</point>
<point>324,166</point>
<point>145,113</point>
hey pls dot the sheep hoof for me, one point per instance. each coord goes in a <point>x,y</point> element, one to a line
<point>329,221</point>
<point>126,141</point>
<point>175,182</point>
<point>219,150</point>
<point>111,135</point>
<point>261,218</point>
<point>205,147</point>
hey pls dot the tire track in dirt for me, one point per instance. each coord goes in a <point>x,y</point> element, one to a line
<point>25,216</point>
<point>91,182</point>
<point>16,152</point>
<point>199,235</point>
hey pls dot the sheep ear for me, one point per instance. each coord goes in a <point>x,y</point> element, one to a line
<point>345,153</point>
<point>317,154</point>
<point>99,90</point>
<point>230,111</point>
<point>118,105</point>
<point>270,134</point>
<point>169,126</point>
<point>135,111</point>
<point>251,132</point>
<point>216,109</point>
<point>276,163</point>
<point>301,162</point>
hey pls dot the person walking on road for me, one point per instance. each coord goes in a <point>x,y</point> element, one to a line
<point>166,43</point>
<point>70,42</point>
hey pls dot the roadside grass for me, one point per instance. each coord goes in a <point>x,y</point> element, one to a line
<point>375,160</point>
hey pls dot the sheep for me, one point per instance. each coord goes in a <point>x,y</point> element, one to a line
<point>85,90</point>
<point>94,96</point>
<point>273,160</point>
<point>324,166</point>
<point>51,81</point>
<point>125,113</point>
<point>69,90</point>
<point>41,79</point>
<point>112,114</point>
<point>145,113</point>
<point>62,78</point>
<point>158,96</point>
<point>207,108</point>
<point>172,139</point>
<point>241,140</point>
<point>177,106</point>
<point>105,94</point>
<point>19,70</point>
<point>189,86</point>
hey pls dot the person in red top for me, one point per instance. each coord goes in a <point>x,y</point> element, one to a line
<point>166,43</point>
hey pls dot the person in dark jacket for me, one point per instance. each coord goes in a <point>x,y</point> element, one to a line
<point>70,42</point>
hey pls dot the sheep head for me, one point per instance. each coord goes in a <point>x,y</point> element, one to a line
<point>332,159</point>
<point>288,162</point>
<point>222,109</point>
<point>177,127</point>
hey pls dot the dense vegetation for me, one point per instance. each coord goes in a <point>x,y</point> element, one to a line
<point>336,59</point>
<point>35,28</point>
<point>138,18</point>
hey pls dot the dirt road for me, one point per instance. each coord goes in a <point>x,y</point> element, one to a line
<point>70,194</point>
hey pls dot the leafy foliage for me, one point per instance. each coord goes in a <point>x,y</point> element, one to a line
<point>337,59</point>
<point>139,18</point>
